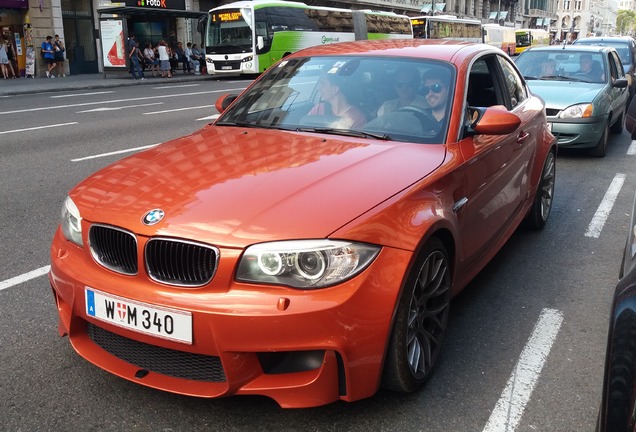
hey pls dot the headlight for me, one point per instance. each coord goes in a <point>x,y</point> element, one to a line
<point>248,59</point>
<point>71,222</point>
<point>305,264</point>
<point>578,111</point>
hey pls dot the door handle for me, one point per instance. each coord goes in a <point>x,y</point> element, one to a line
<point>522,137</point>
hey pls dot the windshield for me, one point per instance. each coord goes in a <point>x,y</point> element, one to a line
<point>391,99</point>
<point>621,48</point>
<point>562,65</point>
<point>229,31</point>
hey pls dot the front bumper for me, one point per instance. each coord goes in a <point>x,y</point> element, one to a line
<point>301,348</point>
<point>577,133</point>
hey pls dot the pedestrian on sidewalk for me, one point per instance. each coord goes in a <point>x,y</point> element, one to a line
<point>49,56</point>
<point>58,46</point>
<point>11,55</point>
<point>183,58</point>
<point>4,59</point>
<point>133,55</point>
<point>152,62</point>
<point>199,60</point>
<point>164,59</point>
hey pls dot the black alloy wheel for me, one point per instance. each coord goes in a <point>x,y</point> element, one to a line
<point>420,322</point>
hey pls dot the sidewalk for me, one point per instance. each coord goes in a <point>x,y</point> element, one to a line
<point>90,81</point>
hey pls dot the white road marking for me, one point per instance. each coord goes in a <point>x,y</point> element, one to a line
<point>509,409</point>
<point>118,108</point>
<point>143,98</point>
<point>212,117</point>
<point>114,153</point>
<point>178,109</point>
<point>24,277</point>
<point>37,127</point>
<point>604,209</point>
<point>81,94</point>
<point>631,151</point>
<point>174,86</point>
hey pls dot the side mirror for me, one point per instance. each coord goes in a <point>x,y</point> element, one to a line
<point>260,42</point>
<point>494,120</point>
<point>224,101</point>
<point>620,83</point>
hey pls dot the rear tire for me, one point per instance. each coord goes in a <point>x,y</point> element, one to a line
<point>420,321</point>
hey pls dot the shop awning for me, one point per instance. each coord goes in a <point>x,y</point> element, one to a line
<point>130,10</point>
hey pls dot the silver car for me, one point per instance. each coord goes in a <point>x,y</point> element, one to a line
<point>584,89</point>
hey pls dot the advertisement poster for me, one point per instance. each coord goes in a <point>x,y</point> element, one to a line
<point>29,69</point>
<point>113,45</point>
<point>18,43</point>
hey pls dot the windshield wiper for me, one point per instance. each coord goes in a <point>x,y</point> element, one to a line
<point>346,132</point>
<point>241,124</point>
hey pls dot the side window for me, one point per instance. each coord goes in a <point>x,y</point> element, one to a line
<point>482,91</point>
<point>513,83</point>
<point>615,66</point>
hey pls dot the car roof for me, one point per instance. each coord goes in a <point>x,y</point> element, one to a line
<point>605,39</point>
<point>446,50</point>
<point>577,48</point>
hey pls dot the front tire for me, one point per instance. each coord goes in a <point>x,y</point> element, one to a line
<point>601,146</point>
<point>540,210</point>
<point>420,322</point>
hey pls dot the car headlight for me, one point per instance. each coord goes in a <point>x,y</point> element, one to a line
<point>305,264</point>
<point>578,111</point>
<point>248,59</point>
<point>71,222</point>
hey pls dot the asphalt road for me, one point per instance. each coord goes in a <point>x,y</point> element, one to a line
<point>492,366</point>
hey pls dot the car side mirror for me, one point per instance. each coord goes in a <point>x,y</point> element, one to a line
<point>494,120</point>
<point>260,42</point>
<point>224,101</point>
<point>620,83</point>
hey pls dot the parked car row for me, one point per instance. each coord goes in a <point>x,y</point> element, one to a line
<point>307,244</point>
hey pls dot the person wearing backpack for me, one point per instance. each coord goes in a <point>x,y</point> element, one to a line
<point>48,54</point>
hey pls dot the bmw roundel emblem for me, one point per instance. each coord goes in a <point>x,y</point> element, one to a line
<point>153,216</point>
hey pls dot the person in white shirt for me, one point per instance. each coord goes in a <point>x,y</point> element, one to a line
<point>164,59</point>
<point>191,61</point>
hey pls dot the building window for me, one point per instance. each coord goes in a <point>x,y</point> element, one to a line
<point>577,5</point>
<point>566,4</point>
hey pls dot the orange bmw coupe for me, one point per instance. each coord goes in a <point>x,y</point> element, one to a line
<point>306,245</point>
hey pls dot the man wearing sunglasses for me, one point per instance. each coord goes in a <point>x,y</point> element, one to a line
<point>407,82</point>
<point>435,90</point>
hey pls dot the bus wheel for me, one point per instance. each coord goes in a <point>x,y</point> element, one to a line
<point>286,54</point>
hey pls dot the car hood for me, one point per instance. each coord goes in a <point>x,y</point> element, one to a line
<point>562,94</point>
<point>237,186</point>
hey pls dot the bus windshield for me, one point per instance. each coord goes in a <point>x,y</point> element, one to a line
<point>229,32</point>
<point>523,39</point>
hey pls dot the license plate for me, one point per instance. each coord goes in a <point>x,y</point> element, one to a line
<point>226,67</point>
<point>549,127</point>
<point>153,320</point>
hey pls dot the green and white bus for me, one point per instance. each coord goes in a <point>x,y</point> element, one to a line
<point>247,37</point>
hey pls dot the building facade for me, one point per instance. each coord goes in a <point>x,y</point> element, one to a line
<point>91,29</point>
<point>580,18</point>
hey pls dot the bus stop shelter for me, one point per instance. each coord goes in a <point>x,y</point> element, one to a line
<point>113,30</point>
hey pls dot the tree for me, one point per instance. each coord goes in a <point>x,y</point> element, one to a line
<point>625,22</point>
